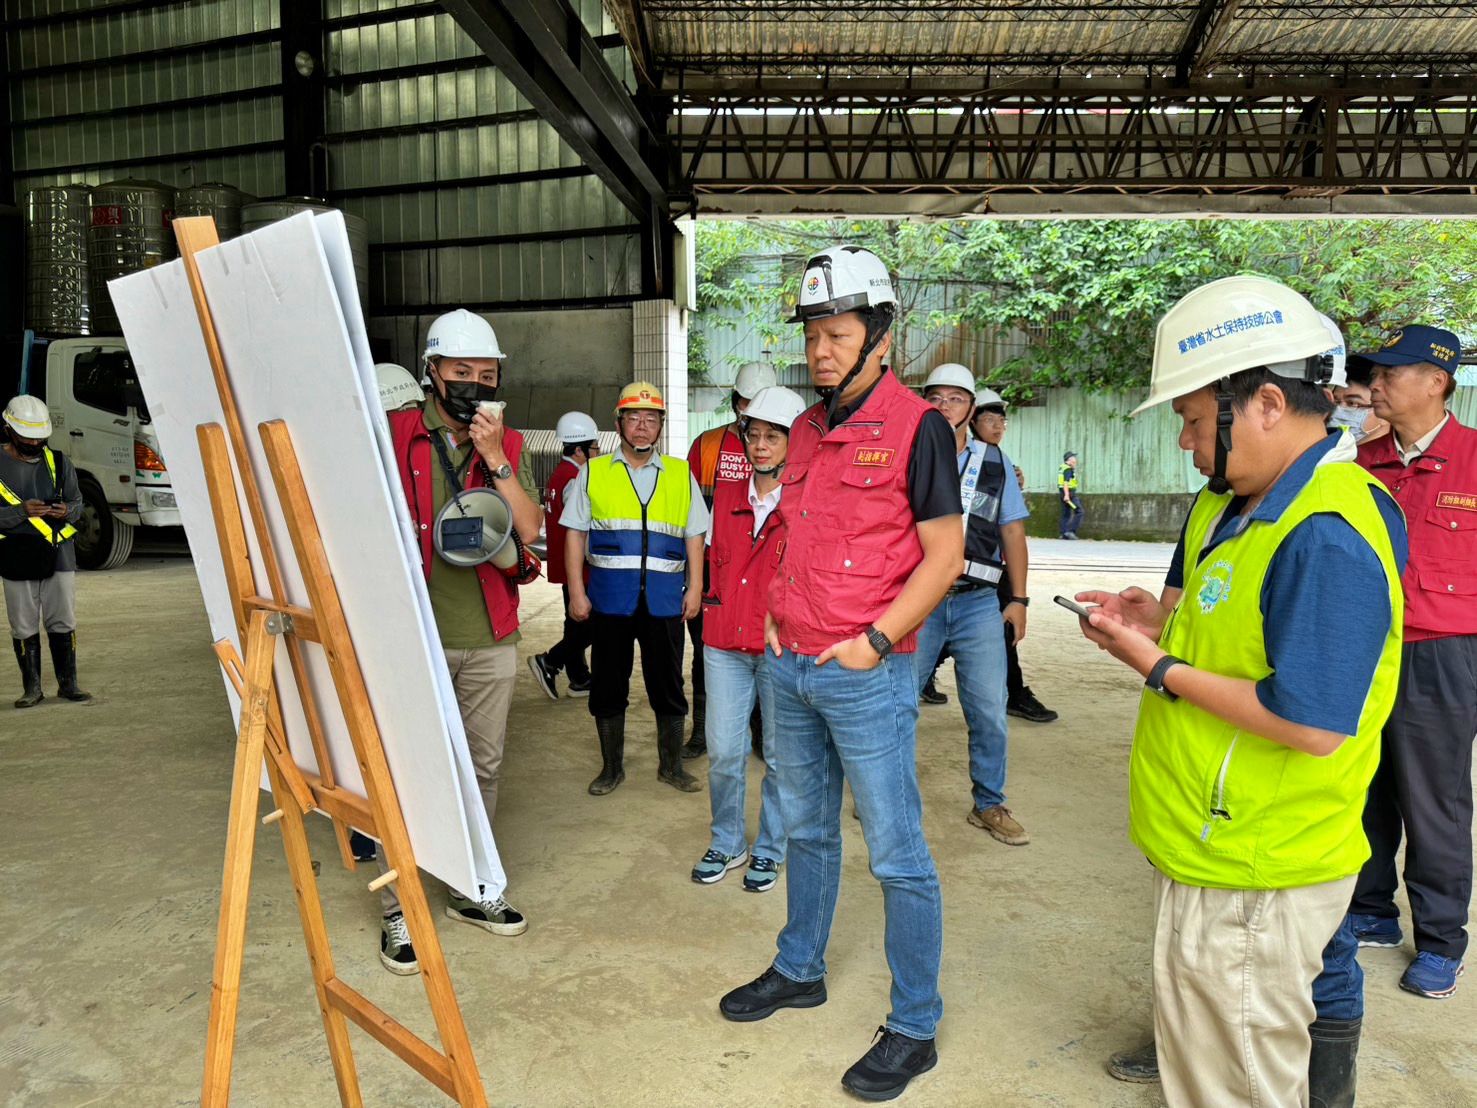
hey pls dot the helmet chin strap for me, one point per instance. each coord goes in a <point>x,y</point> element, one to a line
<point>1224,416</point>
<point>878,324</point>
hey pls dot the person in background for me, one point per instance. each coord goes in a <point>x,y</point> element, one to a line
<point>717,457</point>
<point>579,441</point>
<point>1355,405</point>
<point>40,501</point>
<point>875,539</point>
<point>745,540</point>
<point>1066,483</point>
<point>1255,742</point>
<point>399,391</point>
<point>442,447</point>
<point>637,518</point>
<point>1423,788</point>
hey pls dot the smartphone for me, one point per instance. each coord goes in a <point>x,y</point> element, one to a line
<point>1073,606</point>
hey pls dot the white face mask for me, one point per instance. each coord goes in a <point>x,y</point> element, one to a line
<point>1353,419</point>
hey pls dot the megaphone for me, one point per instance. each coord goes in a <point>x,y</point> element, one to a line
<point>476,526</point>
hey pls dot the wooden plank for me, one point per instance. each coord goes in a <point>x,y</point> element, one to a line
<point>276,742</point>
<point>348,680</point>
<point>230,939</point>
<point>430,1063</point>
<point>304,623</point>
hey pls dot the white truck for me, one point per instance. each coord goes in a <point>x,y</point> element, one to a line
<point>99,420</point>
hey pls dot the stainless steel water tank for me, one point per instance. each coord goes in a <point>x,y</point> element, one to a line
<point>57,292</point>
<point>221,202</point>
<point>262,212</point>
<point>130,231</point>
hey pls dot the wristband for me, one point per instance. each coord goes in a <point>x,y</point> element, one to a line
<point>880,642</point>
<point>1155,681</point>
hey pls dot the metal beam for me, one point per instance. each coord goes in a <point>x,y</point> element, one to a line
<point>544,50</point>
<point>304,98</point>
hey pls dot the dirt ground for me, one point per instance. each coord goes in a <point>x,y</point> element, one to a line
<point>113,827</point>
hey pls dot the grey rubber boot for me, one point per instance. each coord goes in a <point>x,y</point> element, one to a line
<point>669,755</point>
<point>612,732</point>
<point>64,662</point>
<point>28,654</point>
<point>1332,1074</point>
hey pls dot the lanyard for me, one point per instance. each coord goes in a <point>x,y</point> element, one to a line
<point>453,473</point>
<point>969,478</point>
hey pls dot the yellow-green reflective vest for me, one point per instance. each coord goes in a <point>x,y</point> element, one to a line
<point>633,546</point>
<point>52,535</point>
<point>1215,807</point>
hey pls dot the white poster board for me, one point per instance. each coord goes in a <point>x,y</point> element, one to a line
<point>287,316</point>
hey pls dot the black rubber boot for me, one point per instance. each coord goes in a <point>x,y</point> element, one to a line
<point>28,654</point>
<point>1139,1066</point>
<point>1331,1066</point>
<point>64,662</point>
<point>697,746</point>
<point>612,732</point>
<point>669,755</point>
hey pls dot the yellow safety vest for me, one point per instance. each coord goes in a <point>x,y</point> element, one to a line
<point>1215,807</point>
<point>52,535</point>
<point>634,547</point>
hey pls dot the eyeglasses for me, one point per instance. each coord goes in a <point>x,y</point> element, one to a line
<point>949,400</point>
<point>643,419</point>
<point>764,438</point>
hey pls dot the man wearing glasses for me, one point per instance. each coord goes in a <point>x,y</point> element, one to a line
<point>968,621</point>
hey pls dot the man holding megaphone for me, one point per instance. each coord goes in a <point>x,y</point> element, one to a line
<point>472,500</point>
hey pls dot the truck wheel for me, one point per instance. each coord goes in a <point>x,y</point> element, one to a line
<point>102,542</point>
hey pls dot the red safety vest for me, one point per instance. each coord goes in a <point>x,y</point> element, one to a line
<point>413,455</point>
<point>853,541</point>
<point>741,565</point>
<point>565,472</point>
<point>1438,493</point>
<point>717,457</point>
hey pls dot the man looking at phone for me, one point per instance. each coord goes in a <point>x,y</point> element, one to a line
<point>39,503</point>
<point>1255,743</point>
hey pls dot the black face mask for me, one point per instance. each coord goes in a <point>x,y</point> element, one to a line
<point>24,448</point>
<point>460,398</point>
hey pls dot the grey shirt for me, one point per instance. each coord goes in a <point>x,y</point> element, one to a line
<point>576,514</point>
<point>32,481</point>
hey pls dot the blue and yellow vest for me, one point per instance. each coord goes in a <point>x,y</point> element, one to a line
<point>1215,807</point>
<point>635,547</point>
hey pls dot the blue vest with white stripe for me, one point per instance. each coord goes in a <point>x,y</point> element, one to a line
<point>635,547</point>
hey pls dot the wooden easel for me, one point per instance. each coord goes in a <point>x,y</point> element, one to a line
<point>260,620</point>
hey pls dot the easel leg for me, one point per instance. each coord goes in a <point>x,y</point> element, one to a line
<point>230,938</point>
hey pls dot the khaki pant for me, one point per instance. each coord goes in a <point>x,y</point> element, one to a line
<point>483,680</point>
<point>51,602</point>
<point>1233,990</point>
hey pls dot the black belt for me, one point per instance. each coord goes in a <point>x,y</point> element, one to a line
<point>963,585</point>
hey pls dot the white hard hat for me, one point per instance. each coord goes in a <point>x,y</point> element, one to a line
<point>27,417</point>
<point>462,334</point>
<point>1230,325</point>
<point>576,427</point>
<point>777,405</point>
<point>752,377</point>
<point>951,375</point>
<point>842,279</point>
<point>988,398</point>
<point>1339,352</point>
<point>397,386</point>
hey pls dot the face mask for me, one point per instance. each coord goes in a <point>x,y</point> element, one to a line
<point>26,449</point>
<point>460,398</point>
<point>1353,419</point>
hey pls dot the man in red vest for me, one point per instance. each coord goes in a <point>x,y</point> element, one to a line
<point>872,505</point>
<point>1424,781</point>
<point>442,447</point>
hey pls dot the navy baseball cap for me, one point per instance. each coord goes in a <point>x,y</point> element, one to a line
<point>1419,343</point>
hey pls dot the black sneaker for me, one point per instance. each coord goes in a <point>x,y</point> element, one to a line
<point>884,1071</point>
<point>1026,706</point>
<point>579,687</point>
<point>768,993</point>
<point>362,846</point>
<point>396,953</point>
<point>931,695</point>
<point>545,674</point>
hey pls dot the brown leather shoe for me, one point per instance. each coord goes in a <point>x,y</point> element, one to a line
<point>1000,824</point>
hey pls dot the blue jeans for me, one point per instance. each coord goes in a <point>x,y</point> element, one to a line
<point>1338,992</point>
<point>1071,517</point>
<point>733,681</point>
<point>969,624</point>
<point>830,721</point>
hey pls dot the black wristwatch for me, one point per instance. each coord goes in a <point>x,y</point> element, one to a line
<point>1023,601</point>
<point>880,642</point>
<point>1155,681</point>
<point>502,472</point>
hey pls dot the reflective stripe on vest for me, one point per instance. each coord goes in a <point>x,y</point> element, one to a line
<point>982,503</point>
<point>52,536</point>
<point>634,547</point>
<point>1215,807</point>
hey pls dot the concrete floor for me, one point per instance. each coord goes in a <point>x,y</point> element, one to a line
<point>114,816</point>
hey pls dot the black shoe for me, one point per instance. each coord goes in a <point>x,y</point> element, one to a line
<point>1139,1066</point>
<point>64,663</point>
<point>396,953</point>
<point>697,745</point>
<point>1331,1064</point>
<point>768,993</point>
<point>579,686</point>
<point>884,1071</point>
<point>545,674</point>
<point>28,654</point>
<point>362,845</point>
<point>1026,706</point>
<point>931,695</point>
